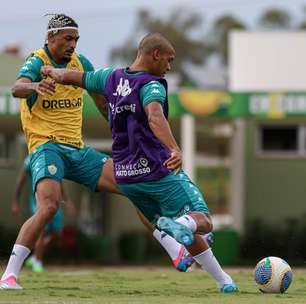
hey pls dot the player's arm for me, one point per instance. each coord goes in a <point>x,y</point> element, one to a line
<point>15,206</point>
<point>24,87</point>
<point>94,82</point>
<point>29,80</point>
<point>63,76</point>
<point>161,129</point>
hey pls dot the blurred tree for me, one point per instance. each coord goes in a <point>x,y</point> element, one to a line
<point>302,25</point>
<point>274,18</point>
<point>220,32</point>
<point>179,28</point>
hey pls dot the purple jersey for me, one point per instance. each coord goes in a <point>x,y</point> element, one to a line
<point>137,154</point>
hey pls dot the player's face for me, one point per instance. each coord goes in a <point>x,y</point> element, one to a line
<point>163,62</point>
<point>64,43</point>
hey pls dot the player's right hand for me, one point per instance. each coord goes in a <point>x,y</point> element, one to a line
<point>174,162</point>
<point>45,86</point>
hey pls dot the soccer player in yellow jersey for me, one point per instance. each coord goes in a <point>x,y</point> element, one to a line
<point>51,116</point>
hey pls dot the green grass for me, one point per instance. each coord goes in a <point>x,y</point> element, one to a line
<point>142,285</point>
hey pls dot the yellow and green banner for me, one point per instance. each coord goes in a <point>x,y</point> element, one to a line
<point>200,103</point>
<point>274,105</point>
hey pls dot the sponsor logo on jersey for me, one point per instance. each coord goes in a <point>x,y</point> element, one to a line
<point>61,103</point>
<point>123,88</point>
<point>138,168</point>
<point>155,91</point>
<point>120,109</point>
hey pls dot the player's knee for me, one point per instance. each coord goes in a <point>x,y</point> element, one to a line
<point>48,190</point>
<point>209,226</point>
<point>207,223</point>
<point>204,222</point>
<point>47,210</point>
<point>51,208</point>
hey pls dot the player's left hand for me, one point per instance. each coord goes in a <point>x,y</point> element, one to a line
<point>174,162</point>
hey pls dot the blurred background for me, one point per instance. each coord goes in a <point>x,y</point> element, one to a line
<point>237,95</point>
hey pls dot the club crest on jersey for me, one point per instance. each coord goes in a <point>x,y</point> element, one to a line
<point>143,162</point>
<point>52,169</point>
<point>123,88</point>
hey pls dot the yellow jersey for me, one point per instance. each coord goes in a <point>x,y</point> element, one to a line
<point>56,118</point>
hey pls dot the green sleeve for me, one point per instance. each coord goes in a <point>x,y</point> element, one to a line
<point>31,69</point>
<point>87,65</point>
<point>95,81</point>
<point>152,91</point>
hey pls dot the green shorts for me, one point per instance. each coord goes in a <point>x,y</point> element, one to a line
<point>171,196</point>
<point>58,161</point>
<point>57,222</point>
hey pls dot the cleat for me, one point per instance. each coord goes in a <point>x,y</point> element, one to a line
<point>10,283</point>
<point>184,260</point>
<point>209,237</point>
<point>179,232</point>
<point>29,262</point>
<point>228,288</point>
<point>38,268</point>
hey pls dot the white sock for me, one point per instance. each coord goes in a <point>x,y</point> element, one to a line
<point>209,263</point>
<point>204,237</point>
<point>188,221</point>
<point>18,255</point>
<point>37,263</point>
<point>169,243</point>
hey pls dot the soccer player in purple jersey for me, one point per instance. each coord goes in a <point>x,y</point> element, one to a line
<point>147,161</point>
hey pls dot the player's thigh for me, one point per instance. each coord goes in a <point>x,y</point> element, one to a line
<point>48,194</point>
<point>145,205</point>
<point>46,164</point>
<point>88,167</point>
<point>107,180</point>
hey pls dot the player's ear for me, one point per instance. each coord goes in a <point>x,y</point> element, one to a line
<point>51,37</point>
<point>156,54</point>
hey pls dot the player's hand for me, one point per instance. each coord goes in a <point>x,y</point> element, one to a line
<point>56,74</point>
<point>174,162</point>
<point>16,209</point>
<point>45,86</point>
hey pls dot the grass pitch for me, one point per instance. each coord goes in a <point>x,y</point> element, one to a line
<point>142,285</point>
